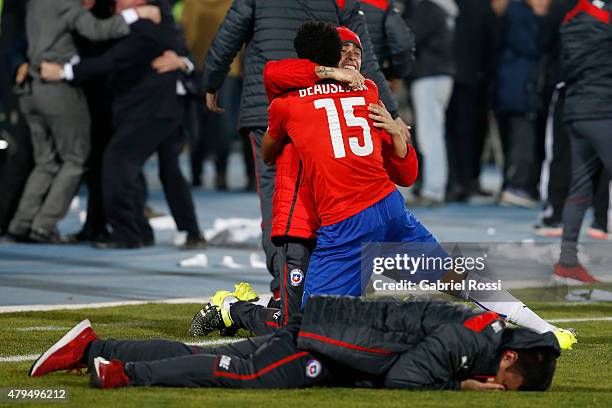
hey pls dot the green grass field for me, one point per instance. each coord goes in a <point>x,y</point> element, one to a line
<point>583,379</point>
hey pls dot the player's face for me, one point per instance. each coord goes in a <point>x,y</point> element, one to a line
<point>351,57</point>
<point>506,376</point>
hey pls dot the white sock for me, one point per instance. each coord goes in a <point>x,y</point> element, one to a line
<point>517,313</point>
<point>502,302</point>
<point>228,301</point>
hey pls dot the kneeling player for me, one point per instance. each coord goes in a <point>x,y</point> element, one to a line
<point>345,180</point>
<point>338,341</point>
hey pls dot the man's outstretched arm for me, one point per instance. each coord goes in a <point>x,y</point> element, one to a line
<point>281,76</point>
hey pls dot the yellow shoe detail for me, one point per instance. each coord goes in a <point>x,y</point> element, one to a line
<point>566,338</point>
<point>217,300</point>
<point>245,292</point>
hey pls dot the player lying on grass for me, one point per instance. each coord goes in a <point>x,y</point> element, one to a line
<point>338,341</point>
<point>343,180</point>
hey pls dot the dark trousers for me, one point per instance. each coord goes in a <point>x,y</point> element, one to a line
<point>216,131</point>
<point>132,144</point>
<point>294,255</point>
<point>99,101</point>
<point>591,142</point>
<point>14,170</point>
<point>518,135</point>
<point>265,187</point>
<point>465,137</point>
<point>262,362</point>
<point>557,170</point>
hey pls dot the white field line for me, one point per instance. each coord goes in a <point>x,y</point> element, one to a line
<point>45,308</point>
<point>32,357</point>
<point>582,319</point>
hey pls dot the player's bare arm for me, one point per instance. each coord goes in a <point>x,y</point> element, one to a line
<point>350,77</point>
<point>270,149</point>
<point>383,120</point>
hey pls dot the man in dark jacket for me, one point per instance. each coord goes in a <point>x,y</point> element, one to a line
<point>268,28</point>
<point>337,342</point>
<point>586,41</point>
<point>146,119</point>
<point>466,117</point>
<point>392,40</point>
<point>517,100</point>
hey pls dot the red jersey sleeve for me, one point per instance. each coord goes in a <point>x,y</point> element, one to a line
<point>280,76</point>
<point>402,172</point>
<point>277,119</point>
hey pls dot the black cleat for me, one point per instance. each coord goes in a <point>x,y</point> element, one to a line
<point>206,321</point>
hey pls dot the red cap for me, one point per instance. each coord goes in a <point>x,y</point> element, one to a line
<point>347,35</point>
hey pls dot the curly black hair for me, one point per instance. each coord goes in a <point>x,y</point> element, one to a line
<point>319,42</point>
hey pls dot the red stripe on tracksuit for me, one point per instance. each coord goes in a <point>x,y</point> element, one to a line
<point>286,301</point>
<point>273,324</point>
<point>246,377</point>
<point>381,4</point>
<point>590,9</point>
<point>343,344</point>
<point>253,151</point>
<point>478,323</point>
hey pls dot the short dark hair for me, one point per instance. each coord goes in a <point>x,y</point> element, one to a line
<point>319,42</point>
<point>537,367</point>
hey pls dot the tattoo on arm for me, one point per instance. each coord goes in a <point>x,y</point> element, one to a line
<point>324,72</point>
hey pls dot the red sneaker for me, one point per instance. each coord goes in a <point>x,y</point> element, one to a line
<point>577,272</point>
<point>108,374</point>
<point>67,353</point>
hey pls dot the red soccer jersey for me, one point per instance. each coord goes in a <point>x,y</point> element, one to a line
<point>338,144</point>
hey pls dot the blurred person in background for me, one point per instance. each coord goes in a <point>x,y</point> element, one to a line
<point>586,50</point>
<point>516,100</point>
<point>16,151</point>
<point>556,169</point>
<point>267,28</point>
<point>99,99</point>
<point>433,24</point>
<point>214,133</point>
<point>57,113</point>
<point>392,40</point>
<point>467,114</point>
<point>147,116</point>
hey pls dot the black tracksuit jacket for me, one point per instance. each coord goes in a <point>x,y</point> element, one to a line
<point>586,52</point>
<point>416,345</point>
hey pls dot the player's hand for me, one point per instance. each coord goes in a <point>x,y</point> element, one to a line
<point>148,12</point>
<point>22,73</point>
<point>405,129</point>
<point>383,120</point>
<point>51,72</point>
<point>473,385</point>
<point>212,104</point>
<point>352,78</point>
<point>169,61</point>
